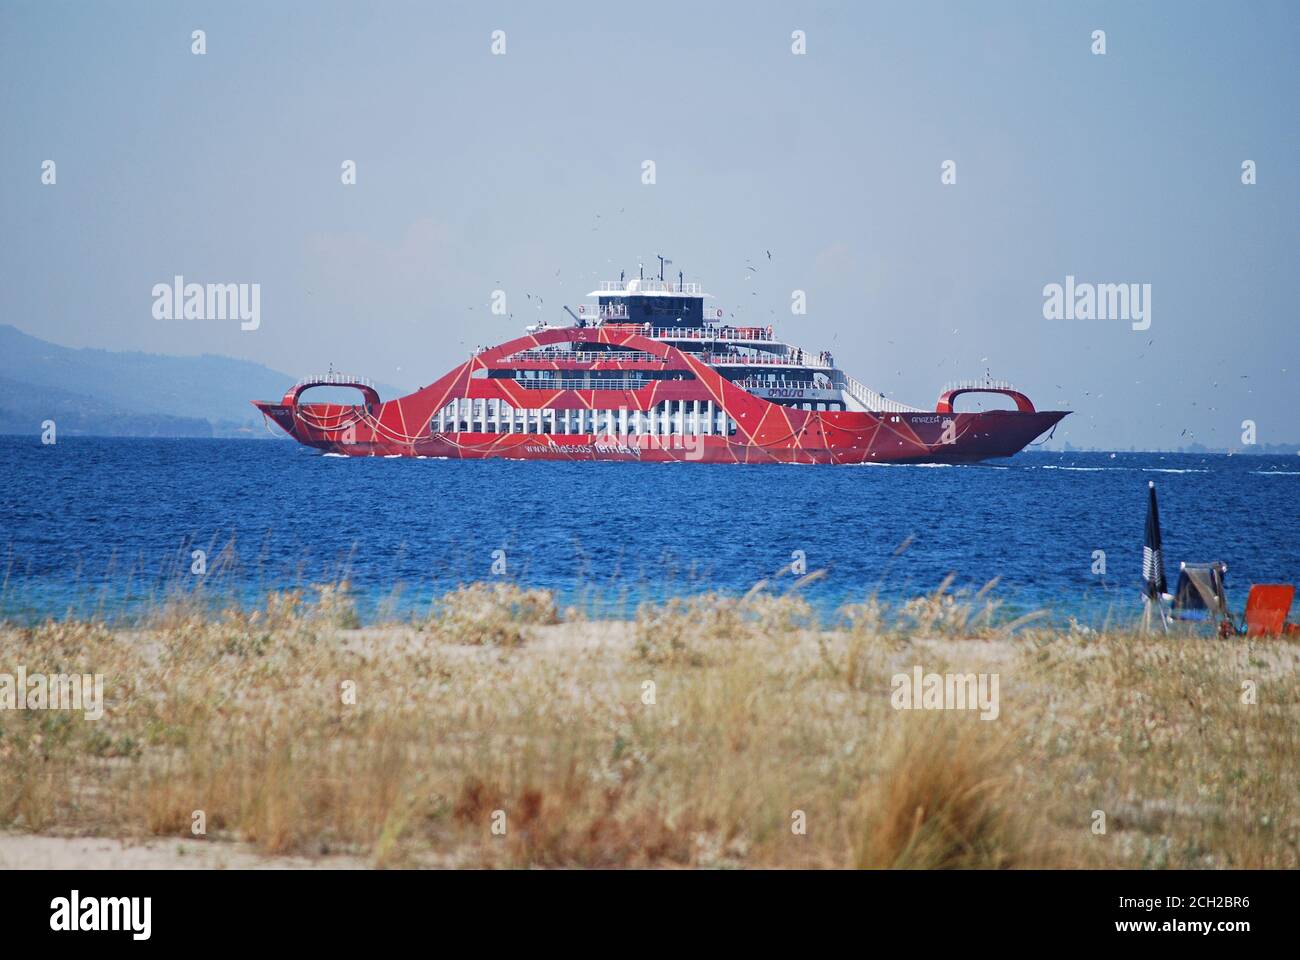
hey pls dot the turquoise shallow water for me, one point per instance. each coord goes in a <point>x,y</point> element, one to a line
<point>107,526</point>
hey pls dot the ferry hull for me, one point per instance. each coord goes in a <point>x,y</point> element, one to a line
<point>911,438</point>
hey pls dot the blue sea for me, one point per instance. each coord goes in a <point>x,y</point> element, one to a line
<point>108,527</point>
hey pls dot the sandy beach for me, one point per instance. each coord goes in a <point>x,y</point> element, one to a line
<point>706,732</point>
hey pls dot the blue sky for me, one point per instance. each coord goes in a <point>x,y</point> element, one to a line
<point>523,172</point>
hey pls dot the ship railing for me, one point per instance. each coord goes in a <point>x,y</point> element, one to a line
<point>985,384</point>
<point>824,358</point>
<point>870,399</point>
<point>764,360</point>
<point>583,356</point>
<point>648,285</point>
<point>581,383</point>
<point>335,379</point>
<point>756,383</point>
<point>713,333</point>
<point>704,334</point>
<point>602,312</point>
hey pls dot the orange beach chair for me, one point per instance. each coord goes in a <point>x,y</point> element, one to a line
<point>1266,609</point>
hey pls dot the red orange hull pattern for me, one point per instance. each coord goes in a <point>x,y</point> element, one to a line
<point>764,432</point>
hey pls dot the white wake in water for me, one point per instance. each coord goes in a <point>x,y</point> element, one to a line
<point>877,463</point>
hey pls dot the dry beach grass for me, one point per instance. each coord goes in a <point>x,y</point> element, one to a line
<point>703,733</point>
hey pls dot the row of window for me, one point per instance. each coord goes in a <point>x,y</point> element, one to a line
<point>670,418</point>
<point>828,405</point>
<point>588,380</point>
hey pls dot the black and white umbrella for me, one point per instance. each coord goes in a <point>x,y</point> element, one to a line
<point>1153,559</point>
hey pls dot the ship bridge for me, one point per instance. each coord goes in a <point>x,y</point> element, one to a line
<point>649,301</point>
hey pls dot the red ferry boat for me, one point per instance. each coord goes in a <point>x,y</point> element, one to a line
<point>649,371</point>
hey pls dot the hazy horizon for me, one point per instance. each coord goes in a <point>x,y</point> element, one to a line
<point>523,172</point>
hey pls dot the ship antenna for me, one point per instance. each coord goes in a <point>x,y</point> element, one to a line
<point>662,261</point>
<point>681,281</point>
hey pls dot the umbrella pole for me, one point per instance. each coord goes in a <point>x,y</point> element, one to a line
<point>1148,602</point>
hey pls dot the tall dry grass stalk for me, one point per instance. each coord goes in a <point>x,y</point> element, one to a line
<point>945,798</point>
<point>713,731</point>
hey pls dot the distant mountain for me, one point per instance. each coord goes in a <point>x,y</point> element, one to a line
<point>25,407</point>
<point>106,393</point>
